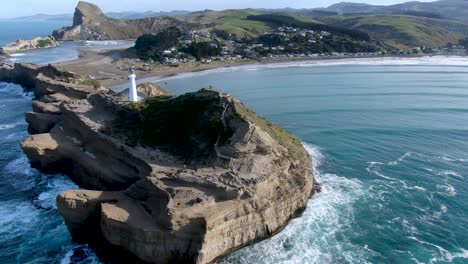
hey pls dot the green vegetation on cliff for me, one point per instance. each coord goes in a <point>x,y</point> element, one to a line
<point>282,136</point>
<point>187,126</point>
<point>151,46</point>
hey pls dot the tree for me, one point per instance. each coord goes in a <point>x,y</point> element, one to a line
<point>149,46</point>
<point>203,49</point>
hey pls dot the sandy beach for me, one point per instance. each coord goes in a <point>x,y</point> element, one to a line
<point>109,66</point>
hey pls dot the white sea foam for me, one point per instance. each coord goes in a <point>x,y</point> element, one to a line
<point>396,162</point>
<point>15,217</point>
<point>388,61</point>
<point>443,210</point>
<point>19,166</point>
<point>440,254</point>
<point>446,190</point>
<point>18,55</point>
<point>11,125</point>
<point>449,173</point>
<point>374,168</point>
<point>89,257</point>
<point>315,236</point>
<point>454,159</point>
<point>55,186</point>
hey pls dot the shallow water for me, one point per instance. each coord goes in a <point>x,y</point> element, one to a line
<point>390,148</point>
<point>12,30</point>
<point>66,51</point>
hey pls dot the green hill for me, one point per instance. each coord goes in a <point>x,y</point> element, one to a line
<point>400,26</point>
<point>444,9</point>
<point>238,21</point>
<point>402,31</point>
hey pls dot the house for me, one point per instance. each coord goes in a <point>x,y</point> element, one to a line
<point>205,61</point>
<point>204,34</point>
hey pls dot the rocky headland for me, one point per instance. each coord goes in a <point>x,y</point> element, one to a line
<point>23,45</point>
<point>90,23</point>
<point>173,179</point>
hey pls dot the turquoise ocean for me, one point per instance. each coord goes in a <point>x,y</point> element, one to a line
<point>389,140</point>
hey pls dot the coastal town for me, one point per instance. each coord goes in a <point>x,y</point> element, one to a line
<point>284,43</point>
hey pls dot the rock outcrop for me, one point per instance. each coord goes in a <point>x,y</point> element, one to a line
<point>23,45</point>
<point>90,23</point>
<point>152,90</point>
<point>183,179</point>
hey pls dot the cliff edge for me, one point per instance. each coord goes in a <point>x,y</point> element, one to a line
<point>173,179</point>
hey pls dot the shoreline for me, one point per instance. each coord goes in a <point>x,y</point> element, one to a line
<point>289,62</point>
<point>109,66</point>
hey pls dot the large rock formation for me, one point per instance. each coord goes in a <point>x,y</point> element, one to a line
<point>35,43</point>
<point>182,179</point>
<point>90,23</point>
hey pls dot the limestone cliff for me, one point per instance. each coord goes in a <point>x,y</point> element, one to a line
<point>36,43</point>
<point>183,179</point>
<point>90,23</point>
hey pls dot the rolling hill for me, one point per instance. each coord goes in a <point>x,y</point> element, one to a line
<point>444,9</point>
<point>403,31</point>
<point>401,26</point>
<point>239,22</point>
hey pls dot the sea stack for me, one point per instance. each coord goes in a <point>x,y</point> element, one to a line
<point>90,23</point>
<point>172,179</point>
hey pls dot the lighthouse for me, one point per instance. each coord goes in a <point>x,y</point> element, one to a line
<point>133,95</point>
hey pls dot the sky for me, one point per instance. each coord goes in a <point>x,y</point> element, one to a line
<point>17,8</point>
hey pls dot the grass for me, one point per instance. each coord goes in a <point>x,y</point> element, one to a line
<point>186,126</point>
<point>403,31</point>
<point>189,125</point>
<point>237,22</point>
<point>44,43</point>
<point>90,82</point>
<point>283,137</point>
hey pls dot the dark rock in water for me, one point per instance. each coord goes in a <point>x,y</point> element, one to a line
<point>35,43</point>
<point>183,179</point>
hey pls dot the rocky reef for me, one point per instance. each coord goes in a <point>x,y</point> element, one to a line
<point>173,179</point>
<point>90,23</point>
<point>36,43</point>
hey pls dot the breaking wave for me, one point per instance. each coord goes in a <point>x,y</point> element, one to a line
<point>315,236</point>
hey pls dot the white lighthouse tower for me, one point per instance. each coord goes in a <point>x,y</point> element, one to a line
<point>133,95</point>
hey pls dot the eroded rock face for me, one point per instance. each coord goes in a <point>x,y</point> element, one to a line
<point>242,180</point>
<point>89,23</point>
